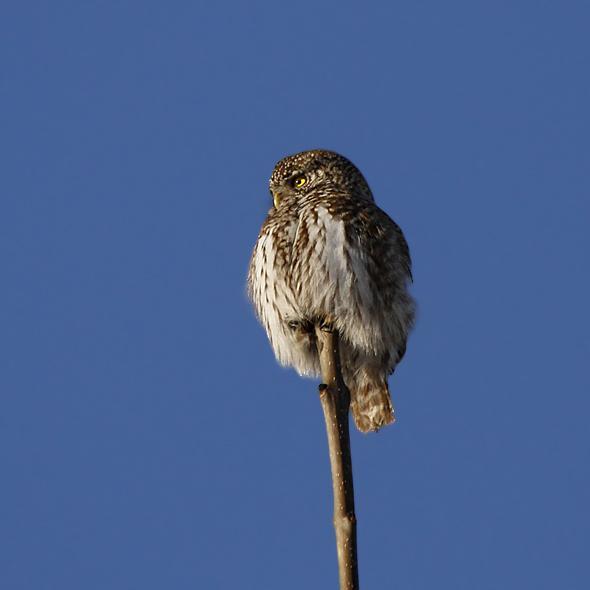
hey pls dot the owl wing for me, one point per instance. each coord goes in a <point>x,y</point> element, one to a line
<point>350,266</point>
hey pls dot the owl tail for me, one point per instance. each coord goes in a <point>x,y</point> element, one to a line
<point>370,403</point>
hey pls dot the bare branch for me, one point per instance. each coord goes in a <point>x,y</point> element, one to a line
<point>335,400</point>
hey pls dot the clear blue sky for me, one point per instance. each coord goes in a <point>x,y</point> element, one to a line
<point>148,439</point>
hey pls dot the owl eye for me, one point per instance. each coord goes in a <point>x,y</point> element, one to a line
<point>299,181</point>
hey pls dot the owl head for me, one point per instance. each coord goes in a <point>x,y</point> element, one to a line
<point>317,171</point>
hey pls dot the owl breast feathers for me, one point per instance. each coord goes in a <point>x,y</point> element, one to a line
<point>326,254</point>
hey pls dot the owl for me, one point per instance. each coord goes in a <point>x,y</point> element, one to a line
<point>327,255</point>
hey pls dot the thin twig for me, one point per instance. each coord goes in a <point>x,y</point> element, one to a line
<point>335,399</point>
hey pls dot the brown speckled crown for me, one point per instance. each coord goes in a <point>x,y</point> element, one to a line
<point>338,170</point>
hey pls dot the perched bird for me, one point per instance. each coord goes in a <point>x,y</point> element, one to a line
<point>327,255</point>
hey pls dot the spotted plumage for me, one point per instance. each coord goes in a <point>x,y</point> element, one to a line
<point>327,254</point>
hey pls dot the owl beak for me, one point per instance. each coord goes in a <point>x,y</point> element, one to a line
<point>276,197</point>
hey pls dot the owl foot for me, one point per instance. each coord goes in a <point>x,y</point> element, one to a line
<point>326,326</point>
<point>300,326</point>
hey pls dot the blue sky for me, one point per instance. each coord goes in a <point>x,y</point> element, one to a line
<point>147,437</point>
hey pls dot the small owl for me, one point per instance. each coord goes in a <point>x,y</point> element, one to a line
<point>327,255</point>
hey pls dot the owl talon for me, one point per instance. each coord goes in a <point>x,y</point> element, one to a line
<point>326,327</point>
<point>303,326</point>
